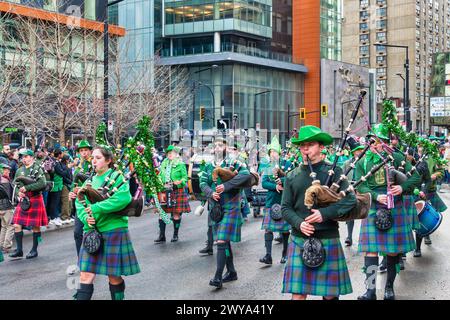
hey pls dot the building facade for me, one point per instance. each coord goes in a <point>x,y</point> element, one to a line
<point>421,25</point>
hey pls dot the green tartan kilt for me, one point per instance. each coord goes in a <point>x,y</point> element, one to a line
<point>436,201</point>
<point>330,279</point>
<point>116,258</point>
<point>399,238</point>
<point>275,226</point>
<point>229,228</point>
<point>410,207</point>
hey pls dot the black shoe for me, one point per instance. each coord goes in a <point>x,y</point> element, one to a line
<point>207,250</point>
<point>160,239</point>
<point>16,254</point>
<point>283,259</point>
<point>278,239</point>
<point>389,293</point>
<point>417,253</point>
<point>401,263</point>
<point>229,276</point>
<point>348,242</point>
<point>267,259</point>
<point>32,254</point>
<point>174,239</point>
<point>369,295</point>
<point>427,240</point>
<point>216,283</point>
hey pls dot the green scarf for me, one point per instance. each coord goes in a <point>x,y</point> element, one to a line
<point>373,157</point>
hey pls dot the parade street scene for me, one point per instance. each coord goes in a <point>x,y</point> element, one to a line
<point>224,150</point>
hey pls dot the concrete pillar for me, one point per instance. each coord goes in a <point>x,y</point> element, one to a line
<point>171,47</point>
<point>216,41</point>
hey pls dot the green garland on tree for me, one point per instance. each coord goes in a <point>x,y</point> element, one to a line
<point>100,135</point>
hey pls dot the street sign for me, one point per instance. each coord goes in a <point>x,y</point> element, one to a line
<point>10,130</point>
<point>223,124</point>
<point>110,125</point>
<point>258,126</point>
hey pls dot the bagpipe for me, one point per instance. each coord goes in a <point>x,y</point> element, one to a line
<point>22,181</point>
<point>229,172</point>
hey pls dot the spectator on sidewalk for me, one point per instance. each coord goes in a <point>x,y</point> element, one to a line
<point>6,209</point>
<point>4,155</point>
<point>13,162</point>
<point>54,196</point>
<point>66,167</point>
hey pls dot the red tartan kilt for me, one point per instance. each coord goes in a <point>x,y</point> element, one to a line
<point>181,198</point>
<point>36,216</point>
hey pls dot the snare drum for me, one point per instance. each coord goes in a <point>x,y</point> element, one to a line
<point>194,181</point>
<point>162,198</point>
<point>429,218</point>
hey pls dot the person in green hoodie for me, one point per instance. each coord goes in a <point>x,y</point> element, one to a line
<point>331,279</point>
<point>116,257</point>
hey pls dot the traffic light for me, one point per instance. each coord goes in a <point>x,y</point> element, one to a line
<point>202,113</point>
<point>324,110</point>
<point>302,113</point>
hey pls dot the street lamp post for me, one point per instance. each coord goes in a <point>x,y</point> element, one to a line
<point>254,105</point>
<point>201,84</point>
<point>404,94</point>
<point>406,65</point>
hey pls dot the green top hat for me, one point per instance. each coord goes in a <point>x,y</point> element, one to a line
<point>26,152</point>
<point>312,133</point>
<point>83,144</point>
<point>380,131</point>
<point>274,145</point>
<point>171,148</point>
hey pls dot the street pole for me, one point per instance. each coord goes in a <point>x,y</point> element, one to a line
<point>408,111</point>
<point>254,105</point>
<point>288,124</point>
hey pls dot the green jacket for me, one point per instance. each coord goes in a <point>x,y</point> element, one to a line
<point>40,177</point>
<point>177,172</point>
<point>433,169</point>
<point>292,203</point>
<point>102,211</point>
<point>84,166</point>
<point>268,183</point>
<point>378,180</point>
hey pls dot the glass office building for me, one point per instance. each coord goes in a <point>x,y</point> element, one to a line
<point>331,29</point>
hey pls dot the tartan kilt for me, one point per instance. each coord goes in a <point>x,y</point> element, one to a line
<point>36,216</point>
<point>229,228</point>
<point>275,226</point>
<point>436,201</point>
<point>395,240</point>
<point>330,279</point>
<point>181,198</point>
<point>410,207</point>
<point>116,258</point>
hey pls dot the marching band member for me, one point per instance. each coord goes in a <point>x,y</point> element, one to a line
<point>173,175</point>
<point>398,238</point>
<point>34,216</point>
<point>274,184</point>
<point>116,256</point>
<point>331,279</point>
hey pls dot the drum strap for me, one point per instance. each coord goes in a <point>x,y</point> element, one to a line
<point>168,171</point>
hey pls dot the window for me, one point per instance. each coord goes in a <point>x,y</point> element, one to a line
<point>363,27</point>
<point>363,3</point>
<point>363,50</point>
<point>363,15</point>
<point>381,82</point>
<point>364,61</point>
<point>363,37</point>
<point>381,59</point>
<point>381,49</point>
<point>381,36</point>
<point>381,24</point>
<point>382,12</point>
<point>381,72</point>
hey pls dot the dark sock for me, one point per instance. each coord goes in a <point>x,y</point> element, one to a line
<point>117,291</point>
<point>85,292</point>
<point>19,237</point>
<point>285,237</point>
<point>392,262</point>
<point>350,225</point>
<point>36,238</point>
<point>334,298</point>
<point>210,237</point>
<point>162,228</point>
<point>268,238</point>
<point>176,226</point>
<point>371,268</point>
<point>418,241</point>
<point>221,259</point>
<point>229,262</point>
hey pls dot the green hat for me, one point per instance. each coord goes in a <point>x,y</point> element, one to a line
<point>312,133</point>
<point>4,166</point>
<point>274,145</point>
<point>83,144</point>
<point>360,147</point>
<point>170,148</point>
<point>26,152</point>
<point>380,131</point>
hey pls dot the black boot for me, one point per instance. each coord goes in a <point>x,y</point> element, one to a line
<point>392,262</point>
<point>162,232</point>
<point>221,261</point>
<point>19,252</point>
<point>209,243</point>
<point>268,238</point>
<point>85,292</point>
<point>176,227</point>
<point>370,265</point>
<point>285,247</point>
<point>417,252</point>
<point>231,274</point>
<point>278,239</point>
<point>348,240</point>
<point>117,291</point>
<point>33,253</point>
<point>427,240</point>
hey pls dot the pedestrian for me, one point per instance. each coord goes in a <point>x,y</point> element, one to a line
<point>398,238</point>
<point>13,162</point>
<point>54,196</point>
<point>331,278</point>
<point>173,175</point>
<point>273,181</point>
<point>6,209</point>
<point>4,155</point>
<point>116,257</point>
<point>67,183</point>
<point>34,214</point>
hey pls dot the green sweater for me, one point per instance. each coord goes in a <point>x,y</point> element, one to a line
<point>102,211</point>
<point>294,210</point>
<point>268,183</point>
<point>41,181</point>
<point>178,172</point>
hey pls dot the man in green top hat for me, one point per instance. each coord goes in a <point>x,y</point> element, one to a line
<point>331,278</point>
<point>83,144</point>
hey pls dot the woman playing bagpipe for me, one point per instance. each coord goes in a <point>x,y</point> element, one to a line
<point>173,175</point>
<point>114,255</point>
<point>273,181</point>
<point>387,229</point>
<point>329,278</point>
<point>30,182</point>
